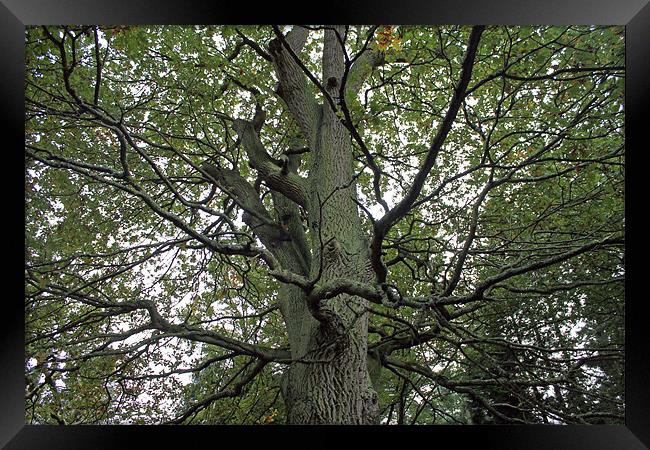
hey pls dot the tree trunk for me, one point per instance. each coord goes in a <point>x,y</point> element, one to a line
<point>330,383</point>
<point>327,381</point>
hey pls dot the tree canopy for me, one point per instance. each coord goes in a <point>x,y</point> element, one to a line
<point>213,213</point>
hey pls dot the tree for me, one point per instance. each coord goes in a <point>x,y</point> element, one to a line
<point>315,225</point>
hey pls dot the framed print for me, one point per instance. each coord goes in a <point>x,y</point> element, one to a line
<point>429,216</point>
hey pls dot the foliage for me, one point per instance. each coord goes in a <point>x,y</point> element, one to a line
<point>509,264</point>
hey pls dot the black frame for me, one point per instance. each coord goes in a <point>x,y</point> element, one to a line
<point>634,14</point>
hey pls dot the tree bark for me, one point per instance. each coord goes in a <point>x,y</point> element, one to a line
<point>329,382</point>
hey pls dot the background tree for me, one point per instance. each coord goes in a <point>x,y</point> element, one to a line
<point>347,224</point>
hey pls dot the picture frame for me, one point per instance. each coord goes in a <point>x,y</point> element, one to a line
<point>634,14</point>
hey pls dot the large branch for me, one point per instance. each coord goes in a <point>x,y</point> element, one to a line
<point>277,176</point>
<point>168,329</point>
<point>513,271</point>
<point>290,219</point>
<point>362,66</point>
<point>292,87</point>
<point>384,224</point>
<point>476,299</point>
<point>356,71</point>
<point>241,191</point>
<point>272,234</point>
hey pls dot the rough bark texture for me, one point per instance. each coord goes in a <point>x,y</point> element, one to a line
<point>327,381</point>
<point>332,385</point>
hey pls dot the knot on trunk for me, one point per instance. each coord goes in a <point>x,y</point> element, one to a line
<point>275,47</point>
<point>332,83</point>
<point>334,336</point>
